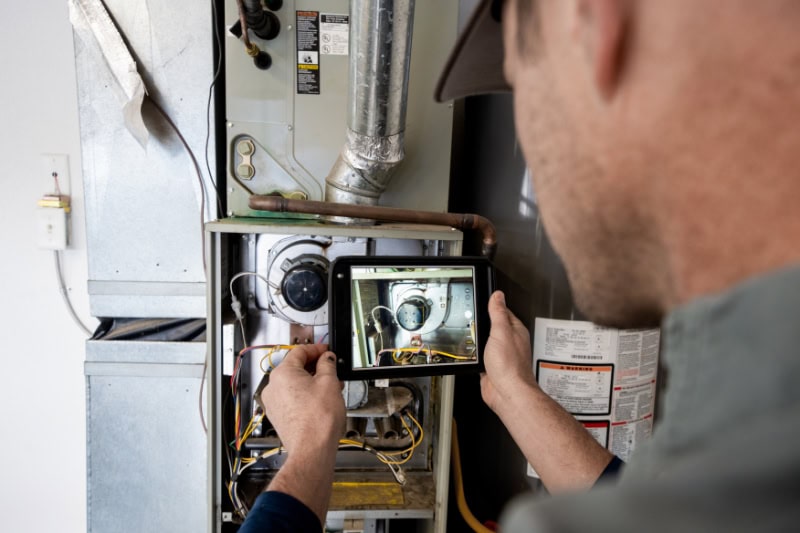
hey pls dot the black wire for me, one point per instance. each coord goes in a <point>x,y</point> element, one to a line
<point>418,399</point>
<point>208,104</point>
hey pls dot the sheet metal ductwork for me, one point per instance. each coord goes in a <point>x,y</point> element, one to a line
<point>380,40</point>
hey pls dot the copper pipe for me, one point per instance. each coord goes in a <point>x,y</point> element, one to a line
<point>243,23</point>
<point>461,221</point>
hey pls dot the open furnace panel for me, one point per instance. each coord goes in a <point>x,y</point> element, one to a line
<point>394,455</point>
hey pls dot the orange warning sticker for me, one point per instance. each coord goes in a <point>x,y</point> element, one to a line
<point>580,389</point>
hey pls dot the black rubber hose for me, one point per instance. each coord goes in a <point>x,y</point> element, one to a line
<point>263,23</point>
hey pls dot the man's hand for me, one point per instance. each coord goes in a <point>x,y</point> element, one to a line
<point>305,405</point>
<point>507,356</point>
<point>304,400</point>
<point>563,453</point>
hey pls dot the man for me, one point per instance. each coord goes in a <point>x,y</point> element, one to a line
<point>663,142</point>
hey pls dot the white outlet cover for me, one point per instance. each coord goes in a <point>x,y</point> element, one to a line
<point>51,228</point>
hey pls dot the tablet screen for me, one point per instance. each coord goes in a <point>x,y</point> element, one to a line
<point>413,316</point>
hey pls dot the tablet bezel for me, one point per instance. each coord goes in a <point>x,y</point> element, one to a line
<point>340,314</point>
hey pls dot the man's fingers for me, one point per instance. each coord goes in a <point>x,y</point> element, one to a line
<point>326,364</point>
<point>301,356</point>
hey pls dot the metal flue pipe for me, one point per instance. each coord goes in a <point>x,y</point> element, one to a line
<point>380,53</point>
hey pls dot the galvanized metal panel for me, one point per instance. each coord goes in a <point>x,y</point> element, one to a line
<point>146,450</point>
<point>147,299</point>
<point>146,455</point>
<point>143,206</point>
<point>186,353</point>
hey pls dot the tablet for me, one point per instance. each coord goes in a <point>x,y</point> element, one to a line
<point>408,316</point>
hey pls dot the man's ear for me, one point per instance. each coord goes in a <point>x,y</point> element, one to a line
<point>601,26</point>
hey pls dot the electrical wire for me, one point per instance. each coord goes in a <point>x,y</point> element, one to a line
<point>243,274</point>
<point>377,322</point>
<point>414,442</point>
<point>65,295</point>
<point>215,22</point>
<point>267,347</point>
<point>241,465</point>
<point>198,172</point>
<point>268,358</point>
<point>200,394</point>
<point>203,208</point>
<point>413,350</point>
<point>233,485</point>
<point>463,508</point>
<point>238,465</point>
<point>380,307</point>
<point>396,470</point>
<point>271,350</point>
<point>235,467</point>
<point>211,87</point>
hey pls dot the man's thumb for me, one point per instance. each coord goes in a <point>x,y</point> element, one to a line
<point>326,364</point>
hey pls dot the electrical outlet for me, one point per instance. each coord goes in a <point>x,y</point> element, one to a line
<point>51,228</point>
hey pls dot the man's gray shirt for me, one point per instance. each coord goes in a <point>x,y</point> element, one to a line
<point>725,454</point>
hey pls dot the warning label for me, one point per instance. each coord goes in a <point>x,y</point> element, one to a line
<point>605,377</point>
<point>335,34</point>
<point>308,67</point>
<point>580,389</point>
<point>598,429</point>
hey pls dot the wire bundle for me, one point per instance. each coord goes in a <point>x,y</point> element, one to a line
<point>238,464</point>
<point>400,355</point>
<point>393,460</point>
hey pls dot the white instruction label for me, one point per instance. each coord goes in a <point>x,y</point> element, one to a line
<point>605,377</point>
<point>334,31</point>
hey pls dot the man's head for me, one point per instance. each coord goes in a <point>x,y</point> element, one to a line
<point>649,128</point>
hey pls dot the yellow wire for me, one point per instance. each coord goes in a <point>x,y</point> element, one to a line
<point>230,491</point>
<point>272,350</point>
<point>350,442</point>
<point>409,450</point>
<point>453,356</point>
<point>237,411</point>
<point>267,357</point>
<point>251,426</point>
<point>413,350</point>
<point>469,518</point>
<point>414,444</point>
<point>416,422</point>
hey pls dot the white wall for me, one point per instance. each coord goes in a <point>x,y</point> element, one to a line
<point>42,394</point>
